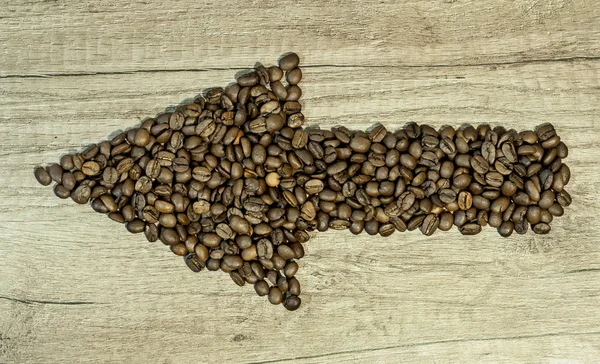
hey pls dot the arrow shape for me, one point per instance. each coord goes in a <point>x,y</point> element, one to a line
<point>234,182</point>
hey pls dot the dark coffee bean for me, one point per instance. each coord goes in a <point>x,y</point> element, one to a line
<point>446,220</point>
<point>81,194</point>
<point>447,195</point>
<point>66,162</point>
<point>470,229</point>
<point>556,209</point>
<point>193,262</point>
<point>261,287</point>
<point>292,303</point>
<point>506,229</point>
<point>42,176</point>
<point>240,225</point>
<point>500,205</point>
<point>275,296</point>
<point>213,264</point>
<point>541,228</point>
<point>61,191</point>
<point>386,229</point>
<point>372,227</point>
<point>56,172</point>
<point>503,166</point>
<point>430,224</point>
<point>547,199</point>
<point>397,222</point>
<point>447,145</point>
<point>136,226</point>
<point>406,200</point>
<point>494,179</point>
<point>481,203</point>
<point>224,231</point>
<point>360,144</point>
<point>480,164</point>
<point>151,232</point>
<point>415,222</point>
<point>509,152</point>
<point>521,226</point>
<point>563,198</point>
<point>462,181</point>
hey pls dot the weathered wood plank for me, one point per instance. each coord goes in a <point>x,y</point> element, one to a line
<point>42,37</point>
<point>75,286</point>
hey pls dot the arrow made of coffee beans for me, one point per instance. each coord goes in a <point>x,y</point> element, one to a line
<point>233,182</point>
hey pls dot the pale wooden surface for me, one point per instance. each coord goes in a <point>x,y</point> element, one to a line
<point>75,287</point>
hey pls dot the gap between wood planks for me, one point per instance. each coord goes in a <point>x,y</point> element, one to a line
<point>208,69</point>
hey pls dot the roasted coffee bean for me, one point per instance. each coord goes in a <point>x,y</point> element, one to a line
<point>136,226</point>
<point>563,198</point>
<point>506,229</point>
<point>42,176</point>
<point>194,263</point>
<point>430,224</point>
<point>470,229</point>
<point>541,228</point>
<point>465,200</point>
<point>288,62</point>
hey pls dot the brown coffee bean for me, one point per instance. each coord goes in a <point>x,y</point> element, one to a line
<point>136,226</point>
<point>541,228</point>
<point>288,63</point>
<point>275,296</point>
<point>42,176</point>
<point>465,200</point>
<point>294,76</point>
<point>470,229</point>
<point>194,262</point>
<point>506,229</point>
<point>430,224</point>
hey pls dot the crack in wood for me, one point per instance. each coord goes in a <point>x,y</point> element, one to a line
<point>208,69</point>
<point>427,343</point>
<point>43,302</point>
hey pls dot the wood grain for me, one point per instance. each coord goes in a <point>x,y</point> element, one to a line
<point>75,287</point>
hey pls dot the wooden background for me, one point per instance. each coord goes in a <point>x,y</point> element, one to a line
<point>75,287</point>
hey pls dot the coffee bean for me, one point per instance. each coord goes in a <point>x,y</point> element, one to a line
<point>136,226</point>
<point>81,194</point>
<point>541,228</point>
<point>56,172</point>
<point>275,296</point>
<point>488,152</point>
<point>293,77</point>
<point>292,303</point>
<point>42,176</point>
<point>289,62</point>
<point>430,224</point>
<point>194,263</point>
<point>224,231</point>
<point>406,200</point>
<point>360,144</point>
<point>465,200</point>
<point>563,198</point>
<point>506,229</point>
<point>508,149</point>
<point>261,287</point>
<point>470,229</point>
<point>248,79</point>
